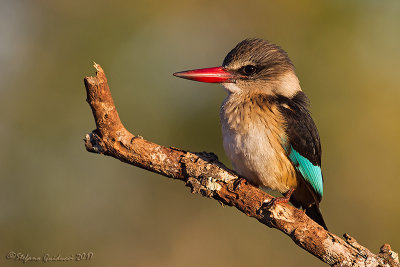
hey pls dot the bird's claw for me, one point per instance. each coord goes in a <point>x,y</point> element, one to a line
<point>238,182</point>
<point>277,200</point>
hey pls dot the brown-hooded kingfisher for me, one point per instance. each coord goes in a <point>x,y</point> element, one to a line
<point>268,132</point>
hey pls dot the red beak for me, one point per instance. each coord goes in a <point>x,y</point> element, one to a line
<point>208,75</point>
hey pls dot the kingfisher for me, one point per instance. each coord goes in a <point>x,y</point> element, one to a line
<point>268,133</point>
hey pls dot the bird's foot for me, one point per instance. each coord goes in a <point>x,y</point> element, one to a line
<point>238,183</point>
<point>284,199</point>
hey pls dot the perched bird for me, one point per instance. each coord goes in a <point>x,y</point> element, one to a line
<point>268,132</point>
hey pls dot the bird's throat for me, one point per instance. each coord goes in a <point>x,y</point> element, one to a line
<point>232,87</point>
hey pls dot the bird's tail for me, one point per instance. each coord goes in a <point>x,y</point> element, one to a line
<point>314,213</point>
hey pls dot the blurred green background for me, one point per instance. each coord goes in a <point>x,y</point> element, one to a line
<point>57,198</point>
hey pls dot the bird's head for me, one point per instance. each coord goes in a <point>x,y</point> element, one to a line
<point>254,65</point>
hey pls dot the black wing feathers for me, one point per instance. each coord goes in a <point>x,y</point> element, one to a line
<point>300,127</point>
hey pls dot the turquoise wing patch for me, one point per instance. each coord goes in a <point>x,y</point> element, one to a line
<point>310,172</point>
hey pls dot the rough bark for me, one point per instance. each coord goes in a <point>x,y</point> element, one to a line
<point>204,174</point>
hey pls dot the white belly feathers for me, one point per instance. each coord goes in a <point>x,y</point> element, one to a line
<point>252,143</point>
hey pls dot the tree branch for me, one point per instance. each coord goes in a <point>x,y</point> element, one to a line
<point>204,174</point>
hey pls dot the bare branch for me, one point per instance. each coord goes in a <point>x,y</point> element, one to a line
<point>204,174</point>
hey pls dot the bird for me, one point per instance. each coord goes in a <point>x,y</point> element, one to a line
<point>267,129</point>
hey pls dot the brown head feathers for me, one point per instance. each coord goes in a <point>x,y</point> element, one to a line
<point>266,59</point>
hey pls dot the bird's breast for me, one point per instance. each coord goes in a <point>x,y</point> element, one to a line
<point>252,139</point>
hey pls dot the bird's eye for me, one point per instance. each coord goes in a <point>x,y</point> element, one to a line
<point>249,70</point>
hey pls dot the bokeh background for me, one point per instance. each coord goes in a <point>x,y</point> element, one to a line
<point>56,198</point>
